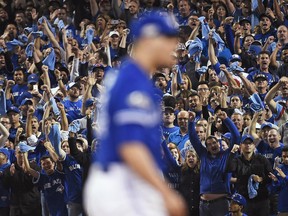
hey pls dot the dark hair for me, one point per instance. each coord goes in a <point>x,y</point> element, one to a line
<point>285,149</point>
<point>46,157</point>
<point>264,52</point>
<point>103,56</point>
<point>222,5</point>
<point>169,101</point>
<point>193,94</point>
<point>203,83</point>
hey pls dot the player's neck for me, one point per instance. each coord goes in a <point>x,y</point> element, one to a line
<point>145,61</point>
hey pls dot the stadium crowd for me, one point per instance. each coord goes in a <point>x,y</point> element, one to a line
<point>224,101</point>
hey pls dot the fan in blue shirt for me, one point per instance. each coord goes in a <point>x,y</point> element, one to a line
<point>51,182</point>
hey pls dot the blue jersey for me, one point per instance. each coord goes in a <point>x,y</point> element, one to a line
<point>268,152</point>
<point>73,109</point>
<point>73,180</point>
<point>17,91</point>
<point>54,192</point>
<point>131,113</point>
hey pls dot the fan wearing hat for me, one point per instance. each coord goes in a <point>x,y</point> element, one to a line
<point>276,47</point>
<point>14,114</point>
<point>265,22</point>
<point>237,204</point>
<point>245,26</point>
<point>168,126</point>
<point>160,81</point>
<point>73,103</point>
<point>255,167</point>
<point>114,38</point>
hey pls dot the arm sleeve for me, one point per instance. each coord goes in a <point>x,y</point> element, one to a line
<point>217,68</point>
<point>235,135</point>
<point>172,162</point>
<point>196,143</point>
<point>229,37</point>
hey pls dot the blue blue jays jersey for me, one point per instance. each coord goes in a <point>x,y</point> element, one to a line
<point>131,113</point>
<point>73,179</point>
<point>54,192</point>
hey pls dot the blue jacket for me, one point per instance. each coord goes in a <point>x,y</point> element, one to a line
<point>281,186</point>
<point>213,177</point>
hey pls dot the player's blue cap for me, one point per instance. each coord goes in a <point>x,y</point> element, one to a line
<point>153,25</point>
<point>247,136</point>
<point>238,198</point>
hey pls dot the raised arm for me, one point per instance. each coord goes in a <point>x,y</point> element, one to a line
<point>91,82</point>
<point>270,95</point>
<point>273,56</point>
<point>235,135</point>
<point>31,171</point>
<point>50,35</point>
<point>248,85</point>
<point>4,135</point>
<point>211,51</point>
<point>94,7</point>
<point>195,31</point>
<point>29,121</point>
<point>252,128</point>
<point>230,6</point>
<point>278,12</point>
<point>55,139</point>
<point>64,120</point>
<point>194,139</point>
<point>237,46</point>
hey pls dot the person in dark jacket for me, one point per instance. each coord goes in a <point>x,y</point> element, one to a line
<point>252,173</point>
<point>214,181</point>
<point>190,182</point>
<point>25,196</point>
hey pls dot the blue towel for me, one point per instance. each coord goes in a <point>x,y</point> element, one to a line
<point>12,44</point>
<point>37,34</point>
<point>89,35</point>
<point>74,126</point>
<point>50,60</point>
<point>179,74</point>
<point>55,137</point>
<point>205,28</point>
<point>235,67</point>
<point>29,49</point>
<point>195,48</point>
<point>23,38</point>
<point>202,70</point>
<point>28,30</point>
<point>256,104</point>
<point>25,148</point>
<point>54,106</point>
<point>252,187</point>
<point>41,19</point>
<point>60,25</point>
<point>220,45</point>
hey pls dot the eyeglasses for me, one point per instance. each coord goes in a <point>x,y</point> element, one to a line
<point>203,89</point>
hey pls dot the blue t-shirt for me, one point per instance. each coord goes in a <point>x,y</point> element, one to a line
<point>54,192</point>
<point>167,131</point>
<point>131,113</point>
<point>178,139</point>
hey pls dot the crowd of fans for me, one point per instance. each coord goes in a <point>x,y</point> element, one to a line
<point>225,130</point>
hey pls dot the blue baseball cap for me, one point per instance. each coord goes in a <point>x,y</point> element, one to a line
<point>238,198</point>
<point>153,25</point>
<point>33,78</point>
<point>89,102</point>
<point>5,152</point>
<point>270,125</point>
<point>227,136</point>
<point>13,109</point>
<point>247,136</point>
<point>26,101</point>
<point>235,57</point>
